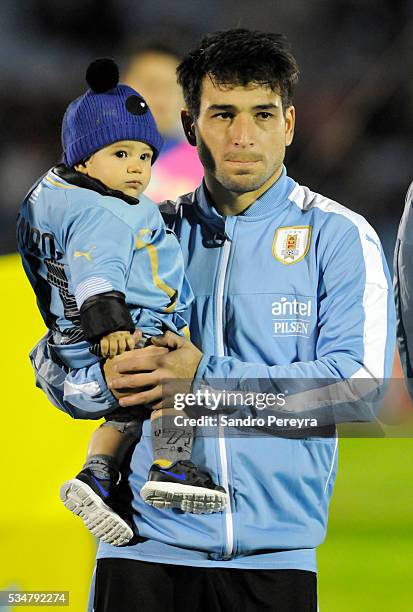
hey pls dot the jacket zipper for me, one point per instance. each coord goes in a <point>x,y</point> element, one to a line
<point>219,322</point>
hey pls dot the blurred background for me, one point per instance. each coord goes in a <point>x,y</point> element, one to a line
<point>354,100</point>
<point>353,143</point>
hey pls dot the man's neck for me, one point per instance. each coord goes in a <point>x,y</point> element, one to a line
<point>229,203</point>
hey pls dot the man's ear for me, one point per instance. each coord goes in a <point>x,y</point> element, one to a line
<point>289,125</point>
<point>188,125</point>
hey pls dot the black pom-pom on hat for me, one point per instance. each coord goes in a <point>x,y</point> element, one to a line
<point>102,75</point>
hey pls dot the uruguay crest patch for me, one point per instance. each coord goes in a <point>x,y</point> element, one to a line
<point>291,244</point>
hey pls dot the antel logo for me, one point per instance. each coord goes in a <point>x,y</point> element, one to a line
<point>290,308</point>
<point>292,317</point>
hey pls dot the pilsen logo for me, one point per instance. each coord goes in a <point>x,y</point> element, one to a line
<point>291,244</point>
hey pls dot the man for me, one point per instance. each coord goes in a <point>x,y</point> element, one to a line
<point>288,285</point>
<point>403,289</point>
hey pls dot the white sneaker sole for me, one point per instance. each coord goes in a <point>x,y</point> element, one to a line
<point>198,500</point>
<point>101,520</point>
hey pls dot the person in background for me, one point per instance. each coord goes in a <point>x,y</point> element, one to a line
<point>403,289</point>
<point>152,68</point>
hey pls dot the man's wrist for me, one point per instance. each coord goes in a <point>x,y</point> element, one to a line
<point>107,371</point>
<point>200,372</point>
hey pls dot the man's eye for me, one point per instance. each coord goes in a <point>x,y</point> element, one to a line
<point>121,154</point>
<point>264,115</point>
<point>225,115</point>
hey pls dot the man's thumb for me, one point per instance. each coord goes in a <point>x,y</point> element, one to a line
<point>170,340</point>
<point>137,338</point>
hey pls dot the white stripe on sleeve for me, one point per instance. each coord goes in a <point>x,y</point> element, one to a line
<point>89,287</point>
<point>376,288</point>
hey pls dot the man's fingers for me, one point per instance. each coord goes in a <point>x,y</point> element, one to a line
<point>152,396</point>
<point>141,360</point>
<point>133,381</point>
<point>169,339</point>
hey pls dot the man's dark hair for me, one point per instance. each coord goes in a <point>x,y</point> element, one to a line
<point>239,57</point>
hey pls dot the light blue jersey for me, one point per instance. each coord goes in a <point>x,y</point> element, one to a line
<point>77,243</point>
<point>295,287</point>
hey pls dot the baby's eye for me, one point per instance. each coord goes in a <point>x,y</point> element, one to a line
<point>146,156</point>
<point>121,154</point>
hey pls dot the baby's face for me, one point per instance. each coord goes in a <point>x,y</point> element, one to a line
<point>123,165</point>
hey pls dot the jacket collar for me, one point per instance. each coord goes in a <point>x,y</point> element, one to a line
<point>265,205</point>
<point>82,180</point>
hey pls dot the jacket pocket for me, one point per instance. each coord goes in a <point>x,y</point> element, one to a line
<point>282,489</point>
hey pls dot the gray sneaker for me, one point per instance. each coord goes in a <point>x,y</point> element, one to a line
<point>88,497</point>
<point>184,486</point>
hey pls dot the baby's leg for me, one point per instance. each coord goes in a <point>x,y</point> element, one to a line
<point>90,494</point>
<point>170,443</point>
<point>108,447</point>
<point>174,481</point>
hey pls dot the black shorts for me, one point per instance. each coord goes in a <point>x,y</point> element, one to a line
<point>123,585</point>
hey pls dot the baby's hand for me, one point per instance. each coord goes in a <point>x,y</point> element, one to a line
<point>117,343</point>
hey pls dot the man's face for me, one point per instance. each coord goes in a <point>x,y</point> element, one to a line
<point>124,166</point>
<point>241,134</point>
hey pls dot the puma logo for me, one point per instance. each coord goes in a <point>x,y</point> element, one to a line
<point>86,254</point>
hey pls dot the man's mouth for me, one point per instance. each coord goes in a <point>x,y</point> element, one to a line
<point>242,160</point>
<point>245,166</point>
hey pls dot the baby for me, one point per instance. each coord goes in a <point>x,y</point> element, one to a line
<point>103,264</point>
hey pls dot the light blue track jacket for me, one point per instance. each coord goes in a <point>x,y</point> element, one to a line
<point>296,286</point>
<point>403,289</point>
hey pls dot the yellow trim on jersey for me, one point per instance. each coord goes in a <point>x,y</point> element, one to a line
<point>57,184</point>
<point>158,282</point>
<point>185,331</point>
<point>171,293</point>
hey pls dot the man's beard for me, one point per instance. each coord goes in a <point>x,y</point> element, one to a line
<point>248,183</point>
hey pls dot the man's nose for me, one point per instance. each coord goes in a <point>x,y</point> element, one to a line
<point>243,129</point>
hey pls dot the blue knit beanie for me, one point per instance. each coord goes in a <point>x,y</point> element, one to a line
<point>106,113</point>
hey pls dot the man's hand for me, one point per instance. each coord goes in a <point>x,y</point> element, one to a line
<point>139,375</point>
<point>112,374</point>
